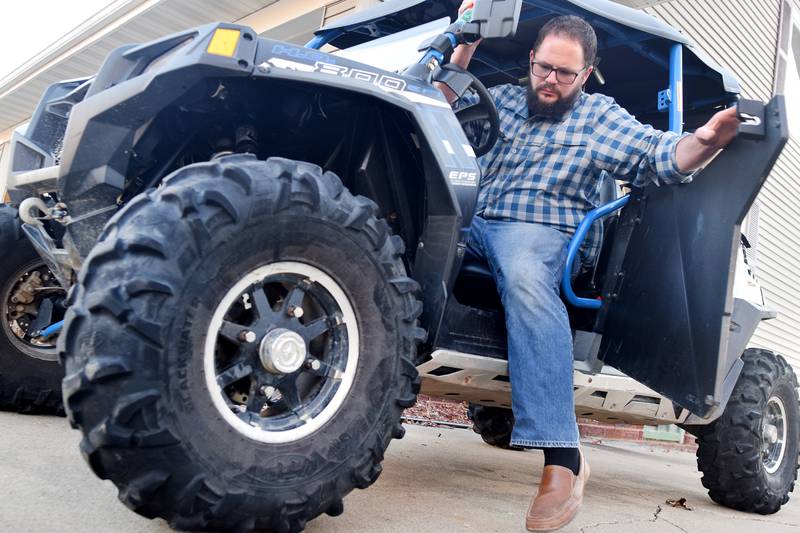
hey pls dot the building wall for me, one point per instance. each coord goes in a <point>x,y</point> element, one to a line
<point>742,36</point>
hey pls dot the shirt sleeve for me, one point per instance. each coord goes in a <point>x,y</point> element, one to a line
<point>634,152</point>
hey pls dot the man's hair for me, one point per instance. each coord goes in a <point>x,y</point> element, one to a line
<point>574,28</point>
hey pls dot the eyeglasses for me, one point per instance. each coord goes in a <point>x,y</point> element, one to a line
<point>564,77</point>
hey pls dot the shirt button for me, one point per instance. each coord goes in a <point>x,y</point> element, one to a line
<point>514,151</point>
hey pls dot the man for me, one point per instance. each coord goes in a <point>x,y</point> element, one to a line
<point>539,181</point>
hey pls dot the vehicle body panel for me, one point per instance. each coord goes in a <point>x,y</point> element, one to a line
<point>668,300</point>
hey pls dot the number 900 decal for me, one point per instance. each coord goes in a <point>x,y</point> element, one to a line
<point>381,80</point>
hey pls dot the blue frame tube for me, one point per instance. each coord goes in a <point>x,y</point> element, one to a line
<point>676,88</point>
<point>676,125</point>
<point>575,247</point>
<point>321,40</point>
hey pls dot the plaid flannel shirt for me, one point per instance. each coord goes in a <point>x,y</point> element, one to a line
<point>549,170</point>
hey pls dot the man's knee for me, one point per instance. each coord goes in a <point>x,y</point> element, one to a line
<point>529,279</point>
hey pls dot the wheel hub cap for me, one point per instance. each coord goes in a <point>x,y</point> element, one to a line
<point>282,351</point>
<point>770,434</point>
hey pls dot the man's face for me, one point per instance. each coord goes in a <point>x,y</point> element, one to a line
<point>549,96</point>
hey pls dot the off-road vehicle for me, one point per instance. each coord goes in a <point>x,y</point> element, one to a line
<point>264,248</point>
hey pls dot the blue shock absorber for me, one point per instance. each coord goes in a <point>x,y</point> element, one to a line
<point>52,329</point>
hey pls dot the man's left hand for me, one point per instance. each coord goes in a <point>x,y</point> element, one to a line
<point>719,130</point>
<point>695,150</point>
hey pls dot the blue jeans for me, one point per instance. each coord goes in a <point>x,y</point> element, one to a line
<point>527,261</point>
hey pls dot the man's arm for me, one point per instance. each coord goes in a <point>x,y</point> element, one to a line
<point>697,149</point>
<point>462,55</point>
<point>640,154</point>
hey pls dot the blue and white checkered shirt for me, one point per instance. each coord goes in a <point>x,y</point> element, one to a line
<point>549,170</point>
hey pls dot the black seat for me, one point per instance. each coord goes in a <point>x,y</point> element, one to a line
<point>475,284</point>
<point>475,266</point>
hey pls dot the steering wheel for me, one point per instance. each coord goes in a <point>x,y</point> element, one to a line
<point>482,110</point>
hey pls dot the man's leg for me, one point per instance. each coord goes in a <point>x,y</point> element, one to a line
<point>527,261</point>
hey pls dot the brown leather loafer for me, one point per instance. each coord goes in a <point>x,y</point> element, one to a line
<point>559,498</point>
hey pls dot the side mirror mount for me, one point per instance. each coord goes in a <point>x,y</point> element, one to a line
<point>494,19</point>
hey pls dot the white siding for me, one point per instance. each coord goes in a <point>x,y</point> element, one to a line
<point>742,36</point>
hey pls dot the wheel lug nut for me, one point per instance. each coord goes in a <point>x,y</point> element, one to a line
<point>247,336</point>
<point>267,391</point>
<point>296,311</point>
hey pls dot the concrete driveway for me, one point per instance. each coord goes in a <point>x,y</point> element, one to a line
<point>434,480</point>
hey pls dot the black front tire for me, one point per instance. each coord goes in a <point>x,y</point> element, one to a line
<point>30,376</point>
<point>493,424</point>
<point>135,336</point>
<point>731,451</point>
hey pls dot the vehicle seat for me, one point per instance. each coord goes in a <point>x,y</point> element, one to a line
<point>475,285</point>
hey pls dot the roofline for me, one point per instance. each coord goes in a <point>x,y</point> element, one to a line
<point>118,13</point>
<point>92,29</point>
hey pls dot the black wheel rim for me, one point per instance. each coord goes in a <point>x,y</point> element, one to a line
<point>281,352</point>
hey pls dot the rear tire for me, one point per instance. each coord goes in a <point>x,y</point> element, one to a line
<point>746,464</point>
<point>30,376</point>
<point>493,424</point>
<point>168,419</point>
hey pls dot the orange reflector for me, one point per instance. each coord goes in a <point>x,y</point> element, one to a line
<point>223,43</point>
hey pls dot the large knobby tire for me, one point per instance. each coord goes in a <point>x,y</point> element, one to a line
<point>742,467</point>
<point>493,424</point>
<point>141,352</point>
<point>30,376</point>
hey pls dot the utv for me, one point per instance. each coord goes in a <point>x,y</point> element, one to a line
<point>264,245</point>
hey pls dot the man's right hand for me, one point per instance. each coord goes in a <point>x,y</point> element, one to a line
<point>468,4</point>
<point>463,52</point>
<point>461,55</point>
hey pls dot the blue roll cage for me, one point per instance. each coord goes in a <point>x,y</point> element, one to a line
<point>671,100</point>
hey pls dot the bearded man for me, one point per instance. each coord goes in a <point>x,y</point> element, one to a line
<point>538,182</point>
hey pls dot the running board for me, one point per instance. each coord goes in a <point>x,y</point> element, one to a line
<point>608,396</point>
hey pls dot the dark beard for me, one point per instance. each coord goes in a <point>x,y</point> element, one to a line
<point>556,109</point>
